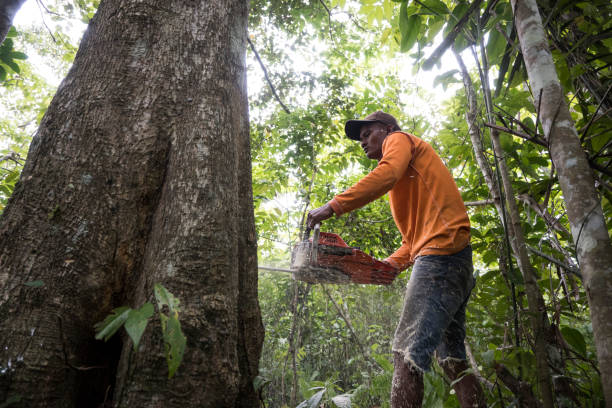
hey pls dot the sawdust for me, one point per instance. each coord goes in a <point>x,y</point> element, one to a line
<point>300,256</point>
<point>313,274</point>
<point>304,271</point>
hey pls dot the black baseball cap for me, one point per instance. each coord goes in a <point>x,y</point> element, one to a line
<point>353,127</point>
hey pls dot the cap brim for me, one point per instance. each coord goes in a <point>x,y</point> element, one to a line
<point>353,127</point>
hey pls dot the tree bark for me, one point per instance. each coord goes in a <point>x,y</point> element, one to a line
<point>8,9</point>
<point>584,211</point>
<point>139,173</point>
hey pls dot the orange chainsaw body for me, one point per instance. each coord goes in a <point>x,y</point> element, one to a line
<point>335,262</point>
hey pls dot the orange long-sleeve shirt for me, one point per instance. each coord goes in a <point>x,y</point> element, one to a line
<point>424,199</point>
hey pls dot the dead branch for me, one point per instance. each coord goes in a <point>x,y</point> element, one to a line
<point>474,364</point>
<point>522,135</point>
<point>265,72</point>
<point>555,261</point>
<point>479,203</point>
<point>550,220</point>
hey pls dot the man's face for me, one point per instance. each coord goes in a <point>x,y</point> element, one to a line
<point>371,137</point>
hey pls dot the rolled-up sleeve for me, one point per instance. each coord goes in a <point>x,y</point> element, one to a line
<point>402,258</point>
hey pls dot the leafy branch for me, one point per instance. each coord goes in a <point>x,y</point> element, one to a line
<point>135,322</point>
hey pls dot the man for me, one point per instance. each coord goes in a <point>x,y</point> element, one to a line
<point>435,228</point>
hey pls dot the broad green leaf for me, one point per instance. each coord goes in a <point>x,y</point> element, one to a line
<point>6,45</point>
<point>137,321</point>
<point>495,46</point>
<point>35,284</point>
<point>12,65</point>
<point>435,7</point>
<point>575,339</point>
<point>113,322</point>
<point>409,37</point>
<point>505,140</point>
<point>456,15</point>
<point>18,55</point>
<point>313,402</point>
<point>174,339</point>
<point>174,342</point>
<point>403,20</point>
<point>446,78</point>
<point>165,298</point>
<point>12,32</point>
<point>2,73</point>
<point>489,257</point>
<point>434,25</point>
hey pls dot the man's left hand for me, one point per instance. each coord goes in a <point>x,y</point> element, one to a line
<point>319,214</point>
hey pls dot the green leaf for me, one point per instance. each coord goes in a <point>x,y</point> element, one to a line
<point>313,402</point>
<point>436,7</point>
<point>403,20</point>
<point>2,73</point>
<point>35,284</point>
<point>6,45</point>
<point>174,342</point>
<point>456,15</point>
<point>506,142</point>
<point>434,25</point>
<point>446,78</point>
<point>409,37</point>
<point>18,55</point>
<point>137,321</point>
<point>174,339</point>
<point>113,322</point>
<point>383,362</point>
<point>575,339</point>
<point>165,298</point>
<point>495,46</point>
<point>13,66</point>
<point>12,32</point>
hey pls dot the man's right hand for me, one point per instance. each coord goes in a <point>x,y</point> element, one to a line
<point>319,214</point>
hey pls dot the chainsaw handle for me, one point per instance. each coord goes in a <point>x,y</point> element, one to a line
<point>317,228</point>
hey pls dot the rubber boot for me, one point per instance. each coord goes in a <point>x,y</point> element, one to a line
<point>468,390</point>
<point>407,386</point>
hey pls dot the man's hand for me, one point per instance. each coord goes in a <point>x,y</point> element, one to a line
<point>319,214</point>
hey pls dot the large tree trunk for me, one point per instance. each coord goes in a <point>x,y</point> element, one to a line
<point>8,9</point>
<point>581,200</point>
<point>139,173</point>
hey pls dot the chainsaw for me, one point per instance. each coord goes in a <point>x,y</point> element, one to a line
<point>326,258</point>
